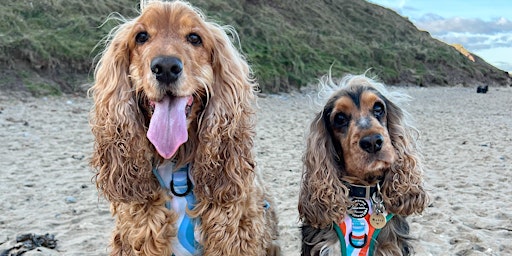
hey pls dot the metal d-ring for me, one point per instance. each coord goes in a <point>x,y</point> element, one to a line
<point>189,188</point>
<point>357,246</point>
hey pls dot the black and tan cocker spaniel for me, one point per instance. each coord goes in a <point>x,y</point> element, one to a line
<point>362,173</point>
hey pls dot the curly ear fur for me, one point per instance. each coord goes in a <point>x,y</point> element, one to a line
<point>133,225</point>
<point>226,129</point>
<point>223,163</point>
<point>322,197</point>
<point>402,188</point>
<point>121,156</point>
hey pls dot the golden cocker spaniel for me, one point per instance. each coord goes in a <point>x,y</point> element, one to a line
<point>362,173</point>
<point>173,126</point>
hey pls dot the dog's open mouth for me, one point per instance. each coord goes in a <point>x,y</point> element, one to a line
<point>168,125</point>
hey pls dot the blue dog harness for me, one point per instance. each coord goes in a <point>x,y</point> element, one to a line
<point>180,187</point>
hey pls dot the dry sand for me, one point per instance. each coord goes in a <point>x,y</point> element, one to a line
<point>46,184</point>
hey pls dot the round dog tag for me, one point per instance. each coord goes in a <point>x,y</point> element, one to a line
<point>359,208</point>
<point>377,220</point>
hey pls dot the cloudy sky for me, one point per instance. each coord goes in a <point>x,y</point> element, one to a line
<point>484,27</point>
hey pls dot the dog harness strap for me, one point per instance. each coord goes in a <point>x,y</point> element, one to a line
<point>179,185</point>
<point>357,237</point>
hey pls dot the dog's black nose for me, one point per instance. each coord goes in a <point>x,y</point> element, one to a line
<point>372,143</point>
<point>167,69</point>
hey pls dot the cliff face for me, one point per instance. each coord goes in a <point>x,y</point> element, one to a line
<point>464,52</point>
<point>289,43</point>
<point>292,42</point>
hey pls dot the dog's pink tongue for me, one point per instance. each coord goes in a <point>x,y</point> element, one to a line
<point>168,125</point>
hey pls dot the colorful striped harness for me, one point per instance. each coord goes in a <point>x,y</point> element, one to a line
<point>180,187</point>
<point>356,233</point>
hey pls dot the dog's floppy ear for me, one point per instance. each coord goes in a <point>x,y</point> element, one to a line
<point>224,164</point>
<point>403,183</point>
<point>121,154</point>
<point>322,197</point>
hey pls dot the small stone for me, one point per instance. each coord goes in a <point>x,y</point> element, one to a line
<point>70,200</point>
<point>29,185</point>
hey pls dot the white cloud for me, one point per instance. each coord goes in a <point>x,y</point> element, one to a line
<point>491,40</point>
<point>502,21</point>
<point>477,41</point>
<point>436,24</point>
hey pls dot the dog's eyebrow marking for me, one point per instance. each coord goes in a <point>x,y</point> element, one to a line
<point>356,96</point>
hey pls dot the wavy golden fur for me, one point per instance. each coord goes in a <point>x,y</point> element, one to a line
<point>359,108</point>
<point>209,71</point>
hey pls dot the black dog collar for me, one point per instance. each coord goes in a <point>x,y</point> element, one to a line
<point>361,191</point>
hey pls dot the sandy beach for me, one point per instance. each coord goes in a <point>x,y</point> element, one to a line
<point>46,184</point>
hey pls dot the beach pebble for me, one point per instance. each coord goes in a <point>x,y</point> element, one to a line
<point>78,157</point>
<point>29,184</point>
<point>70,200</point>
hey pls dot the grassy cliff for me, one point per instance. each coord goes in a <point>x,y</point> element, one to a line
<point>47,46</point>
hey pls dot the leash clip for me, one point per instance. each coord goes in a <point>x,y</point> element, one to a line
<point>378,202</point>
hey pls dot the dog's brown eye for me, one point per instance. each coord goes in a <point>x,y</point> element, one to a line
<point>194,39</point>
<point>340,120</point>
<point>142,37</point>
<point>378,110</point>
